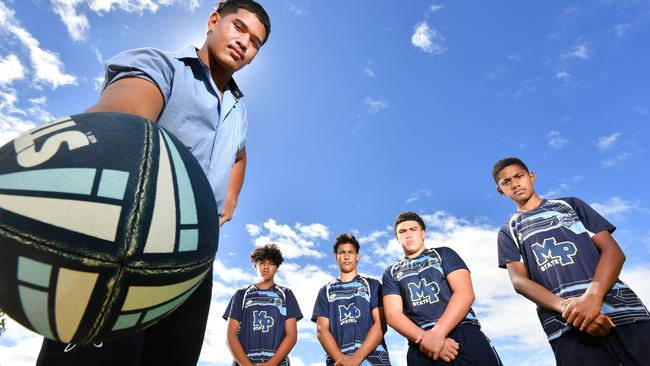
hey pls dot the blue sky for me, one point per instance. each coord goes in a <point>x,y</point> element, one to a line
<point>361,109</point>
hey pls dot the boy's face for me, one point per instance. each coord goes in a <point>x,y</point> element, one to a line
<point>266,269</point>
<point>516,183</point>
<point>411,236</point>
<point>235,38</point>
<point>347,257</point>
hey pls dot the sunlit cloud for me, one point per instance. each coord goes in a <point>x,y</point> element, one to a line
<point>428,39</point>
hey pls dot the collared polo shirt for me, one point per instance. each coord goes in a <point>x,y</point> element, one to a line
<point>212,127</point>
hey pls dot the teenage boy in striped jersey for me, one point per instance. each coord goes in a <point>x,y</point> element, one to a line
<point>262,318</point>
<point>561,255</point>
<point>348,312</point>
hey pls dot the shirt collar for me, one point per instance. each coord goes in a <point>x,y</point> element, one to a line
<point>191,52</point>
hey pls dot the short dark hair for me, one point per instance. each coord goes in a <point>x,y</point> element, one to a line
<point>346,238</point>
<point>225,7</point>
<point>499,165</point>
<point>408,216</point>
<point>270,252</point>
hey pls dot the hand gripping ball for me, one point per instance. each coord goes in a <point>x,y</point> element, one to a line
<point>107,223</point>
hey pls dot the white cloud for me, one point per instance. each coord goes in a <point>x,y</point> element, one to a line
<point>579,51</point>
<point>13,120</point>
<point>563,75</point>
<point>428,39</point>
<point>641,110</point>
<point>615,206</point>
<point>417,196</point>
<point>435,7</point>
<point>608,163</point>
<point>314,231</point>
<point>77,22</point>
<point>375,105</point>
<point>302,240</point>
<point>48,68</point>
<point>253,230</point>
<point>606,142</point>
<point>98,82</point>
<point>556,140</point>
<point>10,69</point>
<point>369,72</point>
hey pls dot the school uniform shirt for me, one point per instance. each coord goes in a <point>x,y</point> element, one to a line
<point>422,284</point>
<point>554,243</point>
<point>348,307</point>
<point>262,314</point>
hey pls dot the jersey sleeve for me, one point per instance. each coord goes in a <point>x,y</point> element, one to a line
<point>451,261</point>
<point>144,63</point>
<point>375,294</point>
<point>321,307</point>
<point>508,250</point>
<point>293,310</point>
<point>389,284</point>
<point>592,220</point>
<point>234,306</point>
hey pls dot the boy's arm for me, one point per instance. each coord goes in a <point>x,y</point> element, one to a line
<point>131,95</point>
<point>326,339</point>
<point>582,310</point>
<point>532,290</point>
<point>403,325</point>
<point>235,184</point>
<point>374,337</point>
<point>461,300</point>
<point>235,346</point>
<point>289,340</point>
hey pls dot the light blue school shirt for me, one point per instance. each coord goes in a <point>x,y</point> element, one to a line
<point>212,127</point>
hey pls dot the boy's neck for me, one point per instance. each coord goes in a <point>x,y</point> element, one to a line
<point>348,276</point>
<point>417,253</point>
<point>532,203</point>
<point>220,76</point>
<point>265,285</point>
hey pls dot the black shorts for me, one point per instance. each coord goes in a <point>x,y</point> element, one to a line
<point>626,345</point>
<point>475,350</point>
<point>174,340</point>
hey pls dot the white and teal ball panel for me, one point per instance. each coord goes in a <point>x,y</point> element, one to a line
<point>106,224</point>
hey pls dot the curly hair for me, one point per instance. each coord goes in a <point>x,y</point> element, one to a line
<point>270,252</point>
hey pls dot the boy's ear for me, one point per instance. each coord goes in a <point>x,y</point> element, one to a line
<point>500,191</point>
<point>532,176</point>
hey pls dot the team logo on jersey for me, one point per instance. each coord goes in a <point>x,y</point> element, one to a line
<point>550,253</point>
<point>423,292</point>
<point>349,314</point>
<point>261,321</point>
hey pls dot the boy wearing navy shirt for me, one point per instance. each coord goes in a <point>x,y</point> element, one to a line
<point>560,254</point>
<point>348,312</point>
<point>262,318</point>
<point>428,297</point>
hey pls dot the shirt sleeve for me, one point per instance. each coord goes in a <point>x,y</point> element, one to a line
<point>375,294</point>
<point>144,63</point>
<point>234,306</point>
<point>451,261</point>
<point>390,286</point>
<point>293,310</point>
<point>591,219</point>
<point>321,307</point>
<point>508,250</point>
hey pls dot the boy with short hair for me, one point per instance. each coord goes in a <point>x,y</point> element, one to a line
<point>262,318</point>
<point>428,297</point>
<point>560,254</point>
<point>348,312</point>
<point>192,94</point>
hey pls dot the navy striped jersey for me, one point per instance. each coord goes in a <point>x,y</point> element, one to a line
<point>554,242</point>
<point>348,307</point>
<point>261,314</point>
<point>422,284</point>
